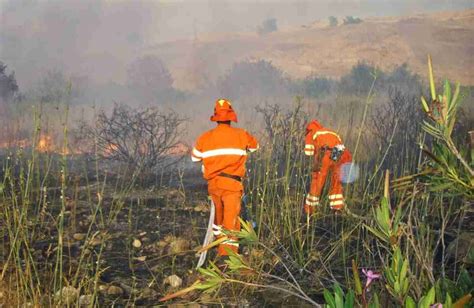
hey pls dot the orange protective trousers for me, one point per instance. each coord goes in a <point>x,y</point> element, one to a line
<point>227,205</point>
<point>319,175</point>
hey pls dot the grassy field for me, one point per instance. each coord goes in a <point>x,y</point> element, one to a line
<point>80,230</point>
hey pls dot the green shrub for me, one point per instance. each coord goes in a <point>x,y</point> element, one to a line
<point>350,20</point>
<point>333,22</point>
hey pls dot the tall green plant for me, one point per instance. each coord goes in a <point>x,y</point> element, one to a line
<point>387,226</point>
<point>449,170</point>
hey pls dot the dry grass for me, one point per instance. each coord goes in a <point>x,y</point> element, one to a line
<point>383,42</point>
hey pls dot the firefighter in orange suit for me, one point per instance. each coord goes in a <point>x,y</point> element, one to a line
<point>329,155</point>
<point>223,152</point>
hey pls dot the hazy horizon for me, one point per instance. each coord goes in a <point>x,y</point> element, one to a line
<point>73,36</point>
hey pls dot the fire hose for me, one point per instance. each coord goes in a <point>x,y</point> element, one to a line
<point>209,237</point>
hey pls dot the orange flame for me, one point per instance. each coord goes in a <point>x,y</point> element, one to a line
<point>21,143</point>
<point>45,144</point>
<point>110,149</point>
<point>179,149</point>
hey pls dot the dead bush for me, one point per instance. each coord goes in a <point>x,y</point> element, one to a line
<point>396,126</point>
<point>141,138</point>
<point>284,130</point>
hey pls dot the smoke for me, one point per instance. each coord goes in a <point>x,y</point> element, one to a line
<point>88,37</point>
<point>93,43</point>
<point>100,38</point>
<point>349,172</point>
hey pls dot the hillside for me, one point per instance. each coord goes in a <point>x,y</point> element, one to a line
<point>332,51</point>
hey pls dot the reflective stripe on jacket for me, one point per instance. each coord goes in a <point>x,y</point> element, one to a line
<point>317,139</point>
<point>223,150</point>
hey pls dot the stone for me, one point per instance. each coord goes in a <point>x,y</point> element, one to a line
<point>114,291</point>
<point>178,245</point>
<point>149,293</point>
<point>203,207</point>
<point>136,243</point>
<point>95,241</point>
<point>174,281</point>
<point>141,258</point>
<point>128,289</point>
<point>79,236</point>
<point>68,295</point>
<point>85,300</point>
<point>162,244</point>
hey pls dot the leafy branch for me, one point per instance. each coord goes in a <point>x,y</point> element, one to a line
<point>441,112</point>
<point>213,278</point>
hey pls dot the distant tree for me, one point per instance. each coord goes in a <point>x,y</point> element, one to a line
<point>150,79</point>
<point>268,25</point>
<point>313,86</point>
<point>8,92</point>
<point>403,79</point>
<point>8,84</point>
<point>53,87</point>
<point>360,79</point>
<point>350,20</point>
<point>248,78</point>
<point>333,22</point>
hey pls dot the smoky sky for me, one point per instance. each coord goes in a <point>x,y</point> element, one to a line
<point>98,38</point>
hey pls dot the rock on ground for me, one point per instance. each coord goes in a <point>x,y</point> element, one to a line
<point>174,281</point>
<point>67,295</point>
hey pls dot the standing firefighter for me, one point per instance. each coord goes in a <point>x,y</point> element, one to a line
<point>223,152</point>
<point>329,155</point>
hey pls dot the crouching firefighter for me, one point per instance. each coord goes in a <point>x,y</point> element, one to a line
<point>329,155</point>
<point>223,152</point>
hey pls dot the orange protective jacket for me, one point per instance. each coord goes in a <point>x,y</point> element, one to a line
<point>319,142</point>
<point>224,150</point>
<point>318,137</point>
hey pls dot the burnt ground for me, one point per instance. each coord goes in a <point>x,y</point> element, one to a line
<point>139,237</point>
<point>168,224</point>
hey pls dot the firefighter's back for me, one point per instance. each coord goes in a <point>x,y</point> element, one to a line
<point>326,138</point>
<point>224,150</point>
<point>226,137</point>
